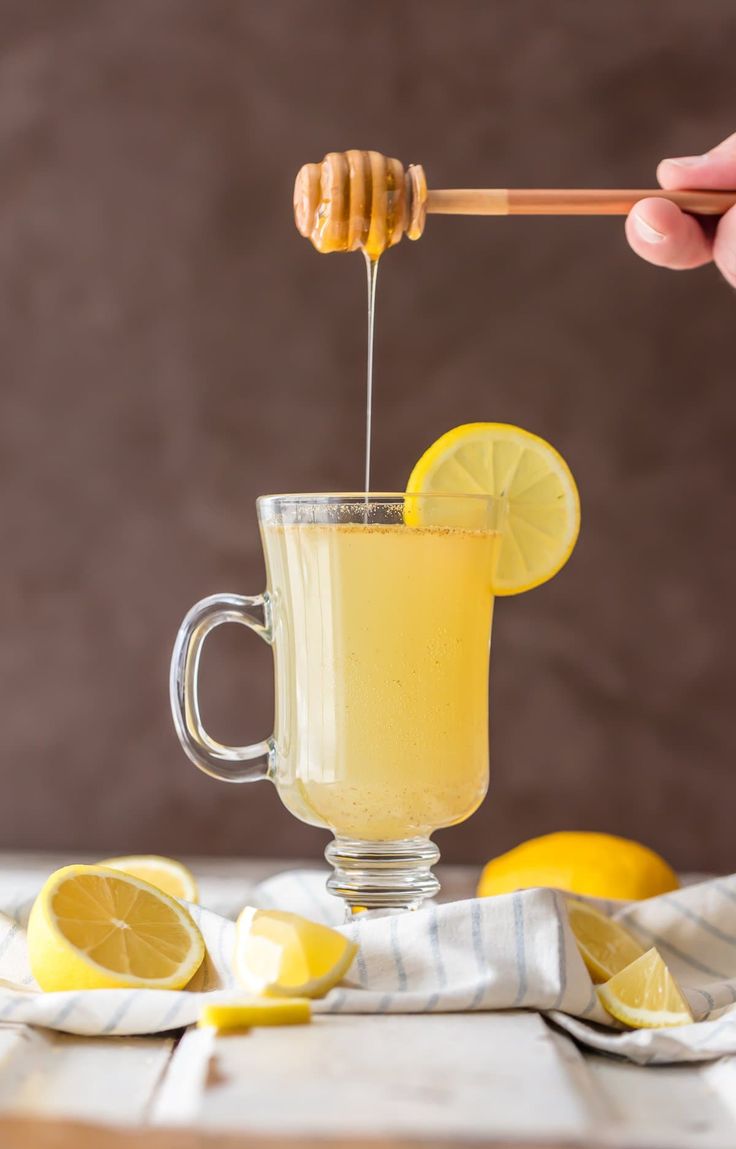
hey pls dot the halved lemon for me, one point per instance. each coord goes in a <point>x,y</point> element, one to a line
<point>246,1014</point>
<point>96,928</point>
<point>645,995</point>
<point>538,502</point>
<point>605,946</point>
<point>284,955</point>
<point>164,873</point>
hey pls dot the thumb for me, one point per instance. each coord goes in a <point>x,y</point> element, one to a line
<point>715,169</point>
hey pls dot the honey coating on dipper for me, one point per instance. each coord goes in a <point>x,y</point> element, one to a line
<point>359,200</point>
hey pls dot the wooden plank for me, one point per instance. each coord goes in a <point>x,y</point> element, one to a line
<point>460,1076</point>
<point>182,1089</point>
<point>672,1105</point>
<point>54,1075</point>
<point>14,1046</point>
<point>676,1106</point>
<point>23,1134</point>
<point>721,1078</point>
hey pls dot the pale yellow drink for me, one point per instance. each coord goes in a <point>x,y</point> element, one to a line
<point>382,640</point>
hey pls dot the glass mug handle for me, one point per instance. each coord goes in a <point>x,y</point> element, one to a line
<point>229,763</point>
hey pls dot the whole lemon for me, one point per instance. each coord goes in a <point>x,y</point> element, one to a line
<point>583,862</point>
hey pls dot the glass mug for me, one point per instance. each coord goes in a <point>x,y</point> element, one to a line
<point>378,610</point>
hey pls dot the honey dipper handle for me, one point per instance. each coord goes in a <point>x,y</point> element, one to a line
<point>568,201</point>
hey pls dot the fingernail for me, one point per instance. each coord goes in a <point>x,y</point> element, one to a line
<point>687,161</point>
<point>645,229</point>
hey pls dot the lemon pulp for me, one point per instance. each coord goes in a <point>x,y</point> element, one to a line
<point>605,946</point>
<point>96,928</point>
<point>645,995</point>
<point>164,873</point>
<point>283,954</point>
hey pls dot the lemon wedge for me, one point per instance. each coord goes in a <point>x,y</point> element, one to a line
<point>539,506</point>
<point>645,995</point>
<point>284,955</point>
<point>164,873</point>
<point>605,946</point>
<point>582,862</point>
<point>254,1012</point>
<point>97,928</point>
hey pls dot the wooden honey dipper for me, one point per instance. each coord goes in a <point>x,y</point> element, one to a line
<point>365,200</point>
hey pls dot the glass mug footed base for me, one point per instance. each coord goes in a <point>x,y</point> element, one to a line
<point>383,875</point>
<point>380,622</point>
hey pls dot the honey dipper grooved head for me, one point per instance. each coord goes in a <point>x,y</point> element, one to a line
<point>360,200</point>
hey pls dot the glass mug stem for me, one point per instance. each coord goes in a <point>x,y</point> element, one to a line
<point>383,875</point>
<point>228,763</point>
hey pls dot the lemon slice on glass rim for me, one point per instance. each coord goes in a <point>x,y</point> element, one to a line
<point>539,505</point>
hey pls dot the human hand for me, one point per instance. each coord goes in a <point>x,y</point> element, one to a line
<point>660,233</point>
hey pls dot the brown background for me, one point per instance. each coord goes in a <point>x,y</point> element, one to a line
<point>170,348</point>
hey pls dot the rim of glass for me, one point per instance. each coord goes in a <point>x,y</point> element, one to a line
<point>390,498</point>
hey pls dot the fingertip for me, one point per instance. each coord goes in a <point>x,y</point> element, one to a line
<point>715,169</point>
<point>660,233</point>
<point>675,174</point>
<point>652,221</point>
<point>726,147</point>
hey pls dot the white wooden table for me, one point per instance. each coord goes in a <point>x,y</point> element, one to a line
<point>485,1079</point>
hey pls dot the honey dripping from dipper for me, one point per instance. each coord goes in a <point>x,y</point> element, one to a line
<point>360,201</point>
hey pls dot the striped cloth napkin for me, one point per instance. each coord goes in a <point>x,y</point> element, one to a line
<point>510,952</point>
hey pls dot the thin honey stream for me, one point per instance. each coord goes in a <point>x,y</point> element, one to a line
<point>372,277</point>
